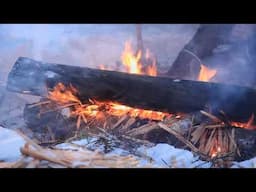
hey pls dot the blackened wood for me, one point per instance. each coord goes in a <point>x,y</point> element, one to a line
<point>155,93</point>
<point>44,125</point>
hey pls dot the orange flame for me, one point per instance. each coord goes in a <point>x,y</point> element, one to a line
<point>206,74</point>
<point>247,125</point>
<point>65,95</point>
<point>130,60</point>
<point>62,94</point>
<point>116,109</point>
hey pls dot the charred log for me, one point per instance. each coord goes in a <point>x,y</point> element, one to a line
<point>140,91</point>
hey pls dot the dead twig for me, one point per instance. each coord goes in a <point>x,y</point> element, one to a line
<point>39,103</point>
<point>212,117</point>
<point>181,138</point>
<point>215,126</point>
<point>143,129</point>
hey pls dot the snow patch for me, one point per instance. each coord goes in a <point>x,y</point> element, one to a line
<point>86,141</point>
<point>10,143</point>
<point>169,156</point>
<point>251,163</point>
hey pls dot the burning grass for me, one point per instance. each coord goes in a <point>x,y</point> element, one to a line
<point>212,140</point>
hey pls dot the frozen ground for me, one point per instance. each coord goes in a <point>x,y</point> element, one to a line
<point>159,156</point>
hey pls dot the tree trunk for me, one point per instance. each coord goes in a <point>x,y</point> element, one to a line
<point>208,37</point>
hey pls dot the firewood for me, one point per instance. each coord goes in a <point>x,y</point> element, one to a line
<point>131,121</point>
<point>120,121</point>
<point>203,140</point>
<point>197,134</point>
<point>140,91</point>
<point>214,126</point>
<point>212,117</point>
<point>220,138</point>
<point>39,103</point>
<point>210,142</point>
<point>142,129</point>
<point>84,158</point>
<point>179,136</point>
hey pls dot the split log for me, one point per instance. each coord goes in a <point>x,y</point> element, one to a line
<point>146,92</point>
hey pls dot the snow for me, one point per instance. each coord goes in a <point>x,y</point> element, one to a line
<point>159,156</point>
<point>169,156</point>
<point>10,143</point>
<point>66,146</point>
<point>85,141</point>
<point>118,151</point>
<point>251,163</point>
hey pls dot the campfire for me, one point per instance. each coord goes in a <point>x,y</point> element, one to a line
<point>134,104</point>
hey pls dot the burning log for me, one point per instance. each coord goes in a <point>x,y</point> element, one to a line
<point>140,91</point>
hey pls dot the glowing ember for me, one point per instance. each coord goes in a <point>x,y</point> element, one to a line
<point>206,74</point>
<point>116,109</point>
<point>64,95</point>
<point>215,151</point>
<point>248,125</point>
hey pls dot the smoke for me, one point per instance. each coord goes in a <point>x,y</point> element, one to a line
<point>87,44</point>
<point>235,60</point>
